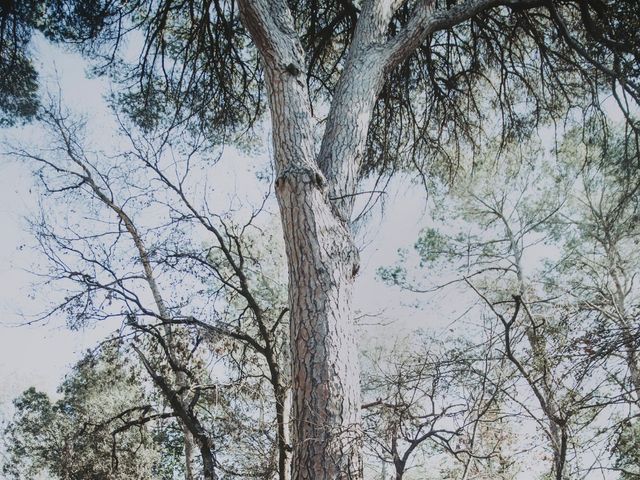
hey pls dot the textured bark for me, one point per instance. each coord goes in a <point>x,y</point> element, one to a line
<point>344,139</point>
<point>322,262</point>
<point>325,371</point>
<point>315,195</point>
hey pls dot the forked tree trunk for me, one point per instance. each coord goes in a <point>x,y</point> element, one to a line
<point>322,263</point>
<point>315,189</point>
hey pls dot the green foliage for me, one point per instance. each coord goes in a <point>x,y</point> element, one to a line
<point>196,65</point>
<point>558,229</point>
<point>93,431</point>
<point>18,77</point>
<point>395,274</point>
<point>430,245</point>
<point>627,451</point>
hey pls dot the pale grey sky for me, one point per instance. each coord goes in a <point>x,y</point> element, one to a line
<point>41,354</point>
<point>38,355</point>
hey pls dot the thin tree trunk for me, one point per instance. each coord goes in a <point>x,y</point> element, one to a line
<point>557,432</point>
<point>189,441</point>
<point>283,407</point>
<point>281,395</point>
<point>187,419</point>
<point>188,454</point>
<point>189,423</point>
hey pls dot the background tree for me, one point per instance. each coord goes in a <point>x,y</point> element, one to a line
<point>626,449</point>
<point>423,399</point>
<point>600,248</point>
<point>105,425</point>
<point>393,76</point>
<point>503,217</point>
<point>232,313</point>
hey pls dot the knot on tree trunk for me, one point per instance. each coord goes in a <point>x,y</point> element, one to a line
<point>301,174</point>
<point>354,257</point>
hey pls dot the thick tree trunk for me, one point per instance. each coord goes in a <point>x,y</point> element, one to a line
<point>325,373</point>
<point>322,264</point>
<point>315,198</point>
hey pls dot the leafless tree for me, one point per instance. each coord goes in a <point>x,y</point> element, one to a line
<point>114,263</point>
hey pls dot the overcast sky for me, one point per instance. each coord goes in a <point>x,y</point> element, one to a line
<point>41,354</point>
<point>36,355</point>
